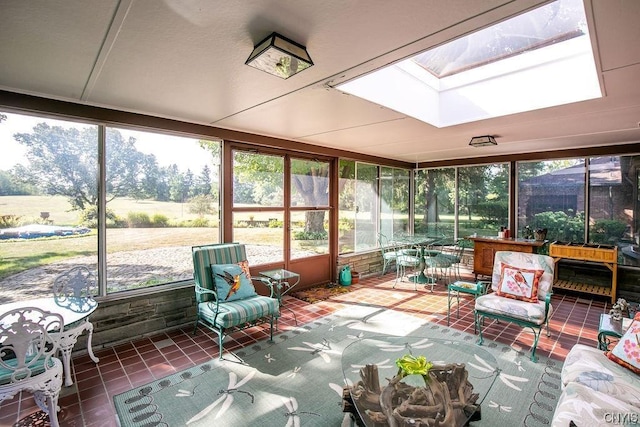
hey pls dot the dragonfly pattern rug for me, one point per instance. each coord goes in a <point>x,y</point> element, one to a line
<point>298,379</point>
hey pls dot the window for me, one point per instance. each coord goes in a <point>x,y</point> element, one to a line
<point>48,202</point>
<point>483,199</point>
<point>614,206</point>
<point>373,199</point>
<point>551,196</point>
<point>435,202</point>
<point>162,198</point>
<point>309,208</point>
<point>394,201</point>
<point>258,205</point>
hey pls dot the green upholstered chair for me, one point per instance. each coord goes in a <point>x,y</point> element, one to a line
<point>219,308</point>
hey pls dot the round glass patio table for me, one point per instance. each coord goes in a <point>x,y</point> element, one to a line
<point>383,351</point>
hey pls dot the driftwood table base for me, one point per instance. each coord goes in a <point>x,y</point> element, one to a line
<point>446,400</point>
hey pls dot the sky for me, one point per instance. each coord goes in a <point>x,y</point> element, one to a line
<point>166,149</point>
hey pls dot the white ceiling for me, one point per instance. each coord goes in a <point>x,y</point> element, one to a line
<point>184,59</point>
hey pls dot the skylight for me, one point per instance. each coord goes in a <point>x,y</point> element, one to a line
<point>539,59</point>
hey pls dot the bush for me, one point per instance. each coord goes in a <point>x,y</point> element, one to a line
<point>9,221</point>
<point>160,220</point>
<point>275,223</point>
<point>200,222</point>
<point>89,217</point>
<point>607,231</point>
<point>310,235</point>
<point>560,226</point>
<point>138,219</point>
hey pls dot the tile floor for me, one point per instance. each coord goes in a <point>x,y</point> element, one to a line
<point>89,401</point>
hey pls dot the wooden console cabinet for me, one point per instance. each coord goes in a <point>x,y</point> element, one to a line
<point>485,248</point>
<point>604,255</point>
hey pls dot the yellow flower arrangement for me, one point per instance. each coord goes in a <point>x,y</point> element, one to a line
<point>412,365</point>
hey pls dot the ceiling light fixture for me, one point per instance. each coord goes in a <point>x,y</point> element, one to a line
<point>482,141</point>
<point>279,56</point>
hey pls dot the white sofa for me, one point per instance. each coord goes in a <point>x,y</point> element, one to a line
<point>596,391</point>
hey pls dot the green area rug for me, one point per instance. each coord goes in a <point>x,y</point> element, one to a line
<point>298,379</point>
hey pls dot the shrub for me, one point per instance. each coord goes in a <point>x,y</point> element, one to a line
<point>200,222</point>
<point>138,219</point>
<point>160,220</point>
<point>275,223</point>
<point>310,235</point>
<point>607,231</point>
<point>9,221</point>
<point>89,217</point>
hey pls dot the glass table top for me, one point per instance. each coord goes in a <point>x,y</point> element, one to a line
<point>369,368</point>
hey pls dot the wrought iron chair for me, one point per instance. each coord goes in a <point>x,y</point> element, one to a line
<point>405,260</point>
<point>225,297</point>
<point>74,290</point>
<point>389,252</point>
<point>28,343</point>
<point>522,286</point>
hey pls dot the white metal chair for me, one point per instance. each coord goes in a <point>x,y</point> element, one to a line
<point>74,290</point>
<point>28,343</point>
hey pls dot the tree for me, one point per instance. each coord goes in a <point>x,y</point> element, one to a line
<point>64,161</point>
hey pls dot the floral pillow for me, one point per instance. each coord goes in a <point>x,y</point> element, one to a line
<point>519,283</point>
<point>231,282</point>
<point>627,352</point>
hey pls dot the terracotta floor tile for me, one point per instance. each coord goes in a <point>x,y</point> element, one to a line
<point>89,401</point>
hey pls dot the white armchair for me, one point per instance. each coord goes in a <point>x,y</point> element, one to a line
<point>27,363</point>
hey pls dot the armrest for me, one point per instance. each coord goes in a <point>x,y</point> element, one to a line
<point>485,286</point>
<point>547,303</point>
<point>200,290</point>
<point>265,281</point>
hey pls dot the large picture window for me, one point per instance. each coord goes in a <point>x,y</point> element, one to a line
<point>435,202</point>
<point>162,198</point>
<point>48,202</point>
<point>551,196</point>
<point>483,199</point>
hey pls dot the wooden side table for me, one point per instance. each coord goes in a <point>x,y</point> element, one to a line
<point>456,288</point>
<point>607,329</point>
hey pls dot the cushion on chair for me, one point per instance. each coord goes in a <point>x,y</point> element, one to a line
<point>231,282</point>
<point>519,283</point>
<point>590,367</point>
<point>205,256</point>
<point>525,261</point>
<point>235,313</point>
<point>627,352</point>
<point>529,311</point>
<point>244,265</point>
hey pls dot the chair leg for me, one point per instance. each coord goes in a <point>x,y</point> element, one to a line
<point>271,328</point>
<point>220,339</point>
<point>536,337</point>
<point>547,325</point>
<point>479,319</point>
